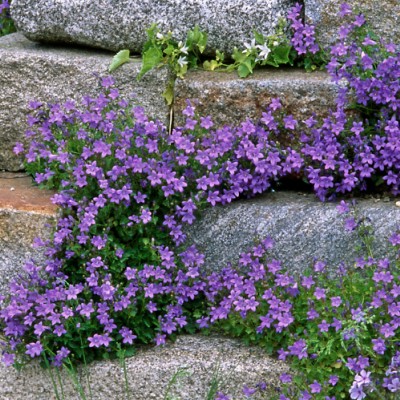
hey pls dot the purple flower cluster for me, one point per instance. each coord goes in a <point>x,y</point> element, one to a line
<point>126,187</point>
<point>303,39</point>
<point>4,5</point>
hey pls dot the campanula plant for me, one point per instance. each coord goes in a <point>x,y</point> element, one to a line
<point>119,270</point>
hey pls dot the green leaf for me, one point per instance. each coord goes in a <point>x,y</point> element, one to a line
<point>151,59</point>
<point>119,59</point>
<point>271,62</point>
<point>211,65</point>
<point>219,56</point>
<point>169,50</point>
<point>238,55</point>
<point>281,54</point>
<point>244,70</point>
<point>196,38</point>
<point>259,37</point>
<point>202,43</point>
<point>169,93</point>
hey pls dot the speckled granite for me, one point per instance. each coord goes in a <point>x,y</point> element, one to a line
<point>47,73</point>
<point>119,24</point>
<point>231,100</point>
<point>303,228</point>
<point>150,371</point>
<point>382,15</point>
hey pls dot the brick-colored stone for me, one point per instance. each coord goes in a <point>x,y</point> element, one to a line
<point>231,100</point>
<point>25,213</point>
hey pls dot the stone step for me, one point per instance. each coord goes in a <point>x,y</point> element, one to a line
<point>229,99</point>
<point>228,23</point>
<point>383,16</point>
<point>303,229</point>
<point>150,371</point>
<point>25,213</point>
<point>29,71</point>
<point>47,73</point>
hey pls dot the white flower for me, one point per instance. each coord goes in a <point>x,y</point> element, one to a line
<point>265,50</point>
<point>182,61</point>
<point>249,46</point>
<point>160,36</point>
<point>183,49</point>
<point>276,43</point>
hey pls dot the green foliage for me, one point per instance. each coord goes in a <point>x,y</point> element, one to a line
<point>6,23</point>
<point>119,59</point>
<point>274,50</point>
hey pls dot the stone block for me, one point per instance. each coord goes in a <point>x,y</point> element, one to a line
<point>25,213</point>
<point>151,369</point>
<point>382,15</point>
<point>231,100</point>
<point>48,73</point>
<point>303,229</point>
<point>120,24</point>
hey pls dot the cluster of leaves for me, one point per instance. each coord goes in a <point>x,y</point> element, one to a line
<point>281,48</point>
<point>273,50</point>
<point>6,23</point>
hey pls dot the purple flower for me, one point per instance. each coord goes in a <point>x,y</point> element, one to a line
<point>363,378</point>
<point>299,349</point>
<point>9,359</point>
<point>99,340</point>
<point>356,393</point>
<point>285,378</point>
<point>34,349</point>
<point>127,335</point>
<point>247,391</point>
<point>315,387</point>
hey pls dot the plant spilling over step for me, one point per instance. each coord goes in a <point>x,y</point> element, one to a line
<point>297,47</point>
<point>6,23</point>
<point>119,270</point>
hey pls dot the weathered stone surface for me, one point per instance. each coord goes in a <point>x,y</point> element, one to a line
<point>120,24</point>
<point>150,371</point>
<point>382,15</point>
<point>303,228</point>
<point>47,73</point>
<point>25,213</point>
<point>231,100</point>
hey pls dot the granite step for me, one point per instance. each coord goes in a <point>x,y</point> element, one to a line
<point>227,23</point>
<point>303,228</point>
<point>47,73</point>
<point>150,371</point>
<point>383,16</point>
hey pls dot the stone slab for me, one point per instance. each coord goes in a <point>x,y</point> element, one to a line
<point>25,213</point>
<point>231,100</point>
<point>49,73</point>
<point>151,369</point>
<point>120,24</point>
<point>382,15</point>
<point>303,228</point>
